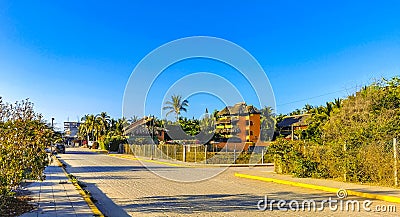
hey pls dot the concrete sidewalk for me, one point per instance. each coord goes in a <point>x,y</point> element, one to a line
<point>362,190</point>
<point>56,196</point>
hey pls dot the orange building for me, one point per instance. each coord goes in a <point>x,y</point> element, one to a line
<point>238,125</point>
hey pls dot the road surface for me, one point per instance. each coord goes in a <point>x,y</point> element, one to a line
<point>124,187</point>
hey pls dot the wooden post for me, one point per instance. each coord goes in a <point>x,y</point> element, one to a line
<point>195,154</point>
<point>292,134</point>
<point>395,162</point>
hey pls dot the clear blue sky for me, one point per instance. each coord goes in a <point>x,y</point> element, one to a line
<point>75,57</point>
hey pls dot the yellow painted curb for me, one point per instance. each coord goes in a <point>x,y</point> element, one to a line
<point>131,157</point>
<point>321,188</point>
<point>88,200</point>
<point>99,151</point>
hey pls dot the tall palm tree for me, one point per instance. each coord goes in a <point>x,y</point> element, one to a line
<point>268,122</point>
<point>103,123</point>
<point>88,126</point>
<point>176,105</point>
<point>119,126</point>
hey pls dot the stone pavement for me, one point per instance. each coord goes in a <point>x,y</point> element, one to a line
<point>56,196</point>
<point>363,190</point>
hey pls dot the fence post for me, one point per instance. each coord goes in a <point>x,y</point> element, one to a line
<point>234,156</point>
<point>195,154</point>
<point>205,154</point>
<point>184,153</point>
<point>175,151</point>
<point>395,162</point>
<point>151,151</point>
<point>262,156</point>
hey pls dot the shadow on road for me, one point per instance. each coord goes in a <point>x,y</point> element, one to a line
<point>189,204</point>
<point>104,203</point>
<point>194,203</point>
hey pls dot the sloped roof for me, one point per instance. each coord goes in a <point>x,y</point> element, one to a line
<point>175,132</point>
<point>136,124</point>
<point>240,108</point>
<point>295,120</point>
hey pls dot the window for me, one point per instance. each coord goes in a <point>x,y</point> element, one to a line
<point>251,123</point>
<point>251,133</point>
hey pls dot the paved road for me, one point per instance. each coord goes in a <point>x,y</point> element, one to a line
<point>125,188</point>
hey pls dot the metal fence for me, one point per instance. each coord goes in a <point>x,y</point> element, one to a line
<point>206,154</point>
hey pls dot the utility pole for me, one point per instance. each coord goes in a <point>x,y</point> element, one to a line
<point>51,143</point>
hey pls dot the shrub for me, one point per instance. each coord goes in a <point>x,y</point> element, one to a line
<point>23,139</point>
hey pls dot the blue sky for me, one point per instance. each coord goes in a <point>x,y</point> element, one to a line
<point>75,57</point>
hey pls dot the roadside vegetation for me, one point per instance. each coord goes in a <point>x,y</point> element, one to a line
<point>348,139</point>
<point>24,136</point>
<point>107,133</point>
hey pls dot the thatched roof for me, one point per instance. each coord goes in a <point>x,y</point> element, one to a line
<point>239,109</point>
<point>295,120</point>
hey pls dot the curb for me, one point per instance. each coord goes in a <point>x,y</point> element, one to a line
<point>99,151</point>
<point>88,200</point>
<point>321,188</point>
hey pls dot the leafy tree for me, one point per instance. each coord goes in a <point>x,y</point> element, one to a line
<point>207,123</point>
<point>23,138</point>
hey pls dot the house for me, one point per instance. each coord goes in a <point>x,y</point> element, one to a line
<point>143,129</point>
<point>290,124</point>
<point>239,126</point>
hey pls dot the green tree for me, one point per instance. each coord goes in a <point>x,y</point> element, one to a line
<point>102,123</point>
<point>23,137</point>
<point>267,124</point>
<point>176,105</point>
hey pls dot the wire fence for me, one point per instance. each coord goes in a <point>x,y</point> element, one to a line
<point>206,154</point>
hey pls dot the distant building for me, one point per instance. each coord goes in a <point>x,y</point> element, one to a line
<point>71,132</point>
<point>290,124</point>
<point>238,128</point>
<point>142,130</point>
<point>239,125</point>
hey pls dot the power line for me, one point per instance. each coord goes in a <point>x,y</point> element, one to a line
<point>313,97</point>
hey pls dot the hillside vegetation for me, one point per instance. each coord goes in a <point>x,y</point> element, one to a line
<point>349,139</point>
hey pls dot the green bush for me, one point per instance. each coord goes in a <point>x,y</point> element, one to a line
<point>112,143</point>
<point>23,139</point>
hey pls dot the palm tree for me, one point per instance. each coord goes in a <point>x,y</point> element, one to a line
<point>176,105</point>
<point>120,124</point>
<point>88,126</point>
<point>268,122</point>
<point>133,119</point>
<point>102,123</point>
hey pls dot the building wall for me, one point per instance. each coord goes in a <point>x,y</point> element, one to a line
<point>248,125</point>
<point>254,127</point>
